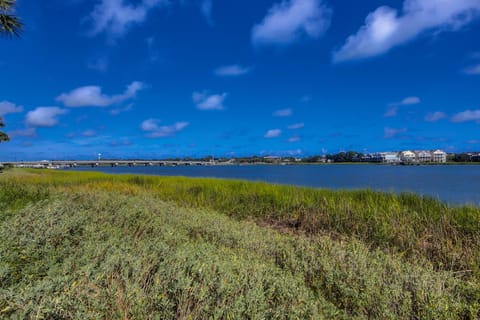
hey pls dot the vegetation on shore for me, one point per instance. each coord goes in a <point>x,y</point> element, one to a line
<point>91,245</point>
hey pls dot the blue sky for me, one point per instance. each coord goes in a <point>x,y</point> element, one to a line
<point>158,78</point>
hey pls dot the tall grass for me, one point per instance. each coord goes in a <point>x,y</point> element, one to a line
<point>414,226</point>
<point>98,254</point>
<point>86,245</point>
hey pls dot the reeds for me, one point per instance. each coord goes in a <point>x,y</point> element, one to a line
<point>89,245</point>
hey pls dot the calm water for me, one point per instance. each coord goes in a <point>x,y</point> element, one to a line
<point>453,184</point>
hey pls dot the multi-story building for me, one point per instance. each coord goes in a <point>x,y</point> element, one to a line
<point>424,156</point>
<point>439,156</point>
<point>408,156</point>
<point>388,157</point>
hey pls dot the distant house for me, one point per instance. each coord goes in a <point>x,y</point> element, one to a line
<point>439,156</point>
<point>424,156</point>
<point>408,156</point>
<point>387,157</point>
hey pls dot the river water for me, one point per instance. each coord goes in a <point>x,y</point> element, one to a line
<point>451,183</point>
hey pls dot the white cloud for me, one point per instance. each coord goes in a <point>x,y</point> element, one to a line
<point>44,116</point>
<point>234,70</point>
<point>294,139</point>
<point>204,101</point>
<point>468,115</point>
<point>8,107</point>
<point>115,17</point>
<point>296,126</point>
<point>472,70</point>
<point>385,28</point>
<point>156,131</point>
<point>392,110</point>
<point>435,116</point>
<point>92,96</point>
<point>391,132</point>
<point>410,101</point>
<point>283,113</point>
<point>292,20</point>
<point>274,133</point>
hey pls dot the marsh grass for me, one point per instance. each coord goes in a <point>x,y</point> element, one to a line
<point>90,245</point>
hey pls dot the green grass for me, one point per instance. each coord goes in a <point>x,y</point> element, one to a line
<point>89,245</point>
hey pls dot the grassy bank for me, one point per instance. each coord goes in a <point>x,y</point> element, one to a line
<point>89,245</point>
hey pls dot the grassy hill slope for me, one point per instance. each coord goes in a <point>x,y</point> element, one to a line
<point>88,245</point>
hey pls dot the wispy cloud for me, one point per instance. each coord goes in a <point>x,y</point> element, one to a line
<point>207,10</point>
<point>115,112</point>
<point>292,20</point>
<point>273,133</point>
<point>294,139</point>
<point>296,126</point>
<point>389,133</point>
<point>156,131</point>
<point>92,96</point>
<point>89,133</point>
<point>393,108</point>
<point>115,17</point>
<point>44,116</point>
<point>99,64</point>
<point>283,113</point>
<point>306,98</point>
<point>205,101</point>
<point>8,107</point>
<point>233,70</point>
<point>472,70</point>
<point>386,28</point>
<point>28,133</point>
<point>435,116</point>
<point>468,115</point>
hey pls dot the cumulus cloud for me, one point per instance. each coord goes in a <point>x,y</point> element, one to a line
<point>156,131</point>
<point>435,116</point>
<point>44,116</point>
<point>273,133</point>
<point>92,96</point>
<point>115,17</point>
<point>296,126</point>
<point>386,28</point>
<point>472,70</point>
<point>8,107</point>
<point>292,20</point>
<point>468,115</point>
<point>205,101</point>
<point>283,113</point>
<point>233,70</point>
<point>391,132</point>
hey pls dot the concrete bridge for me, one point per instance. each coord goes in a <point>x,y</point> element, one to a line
<point>95,163</point>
